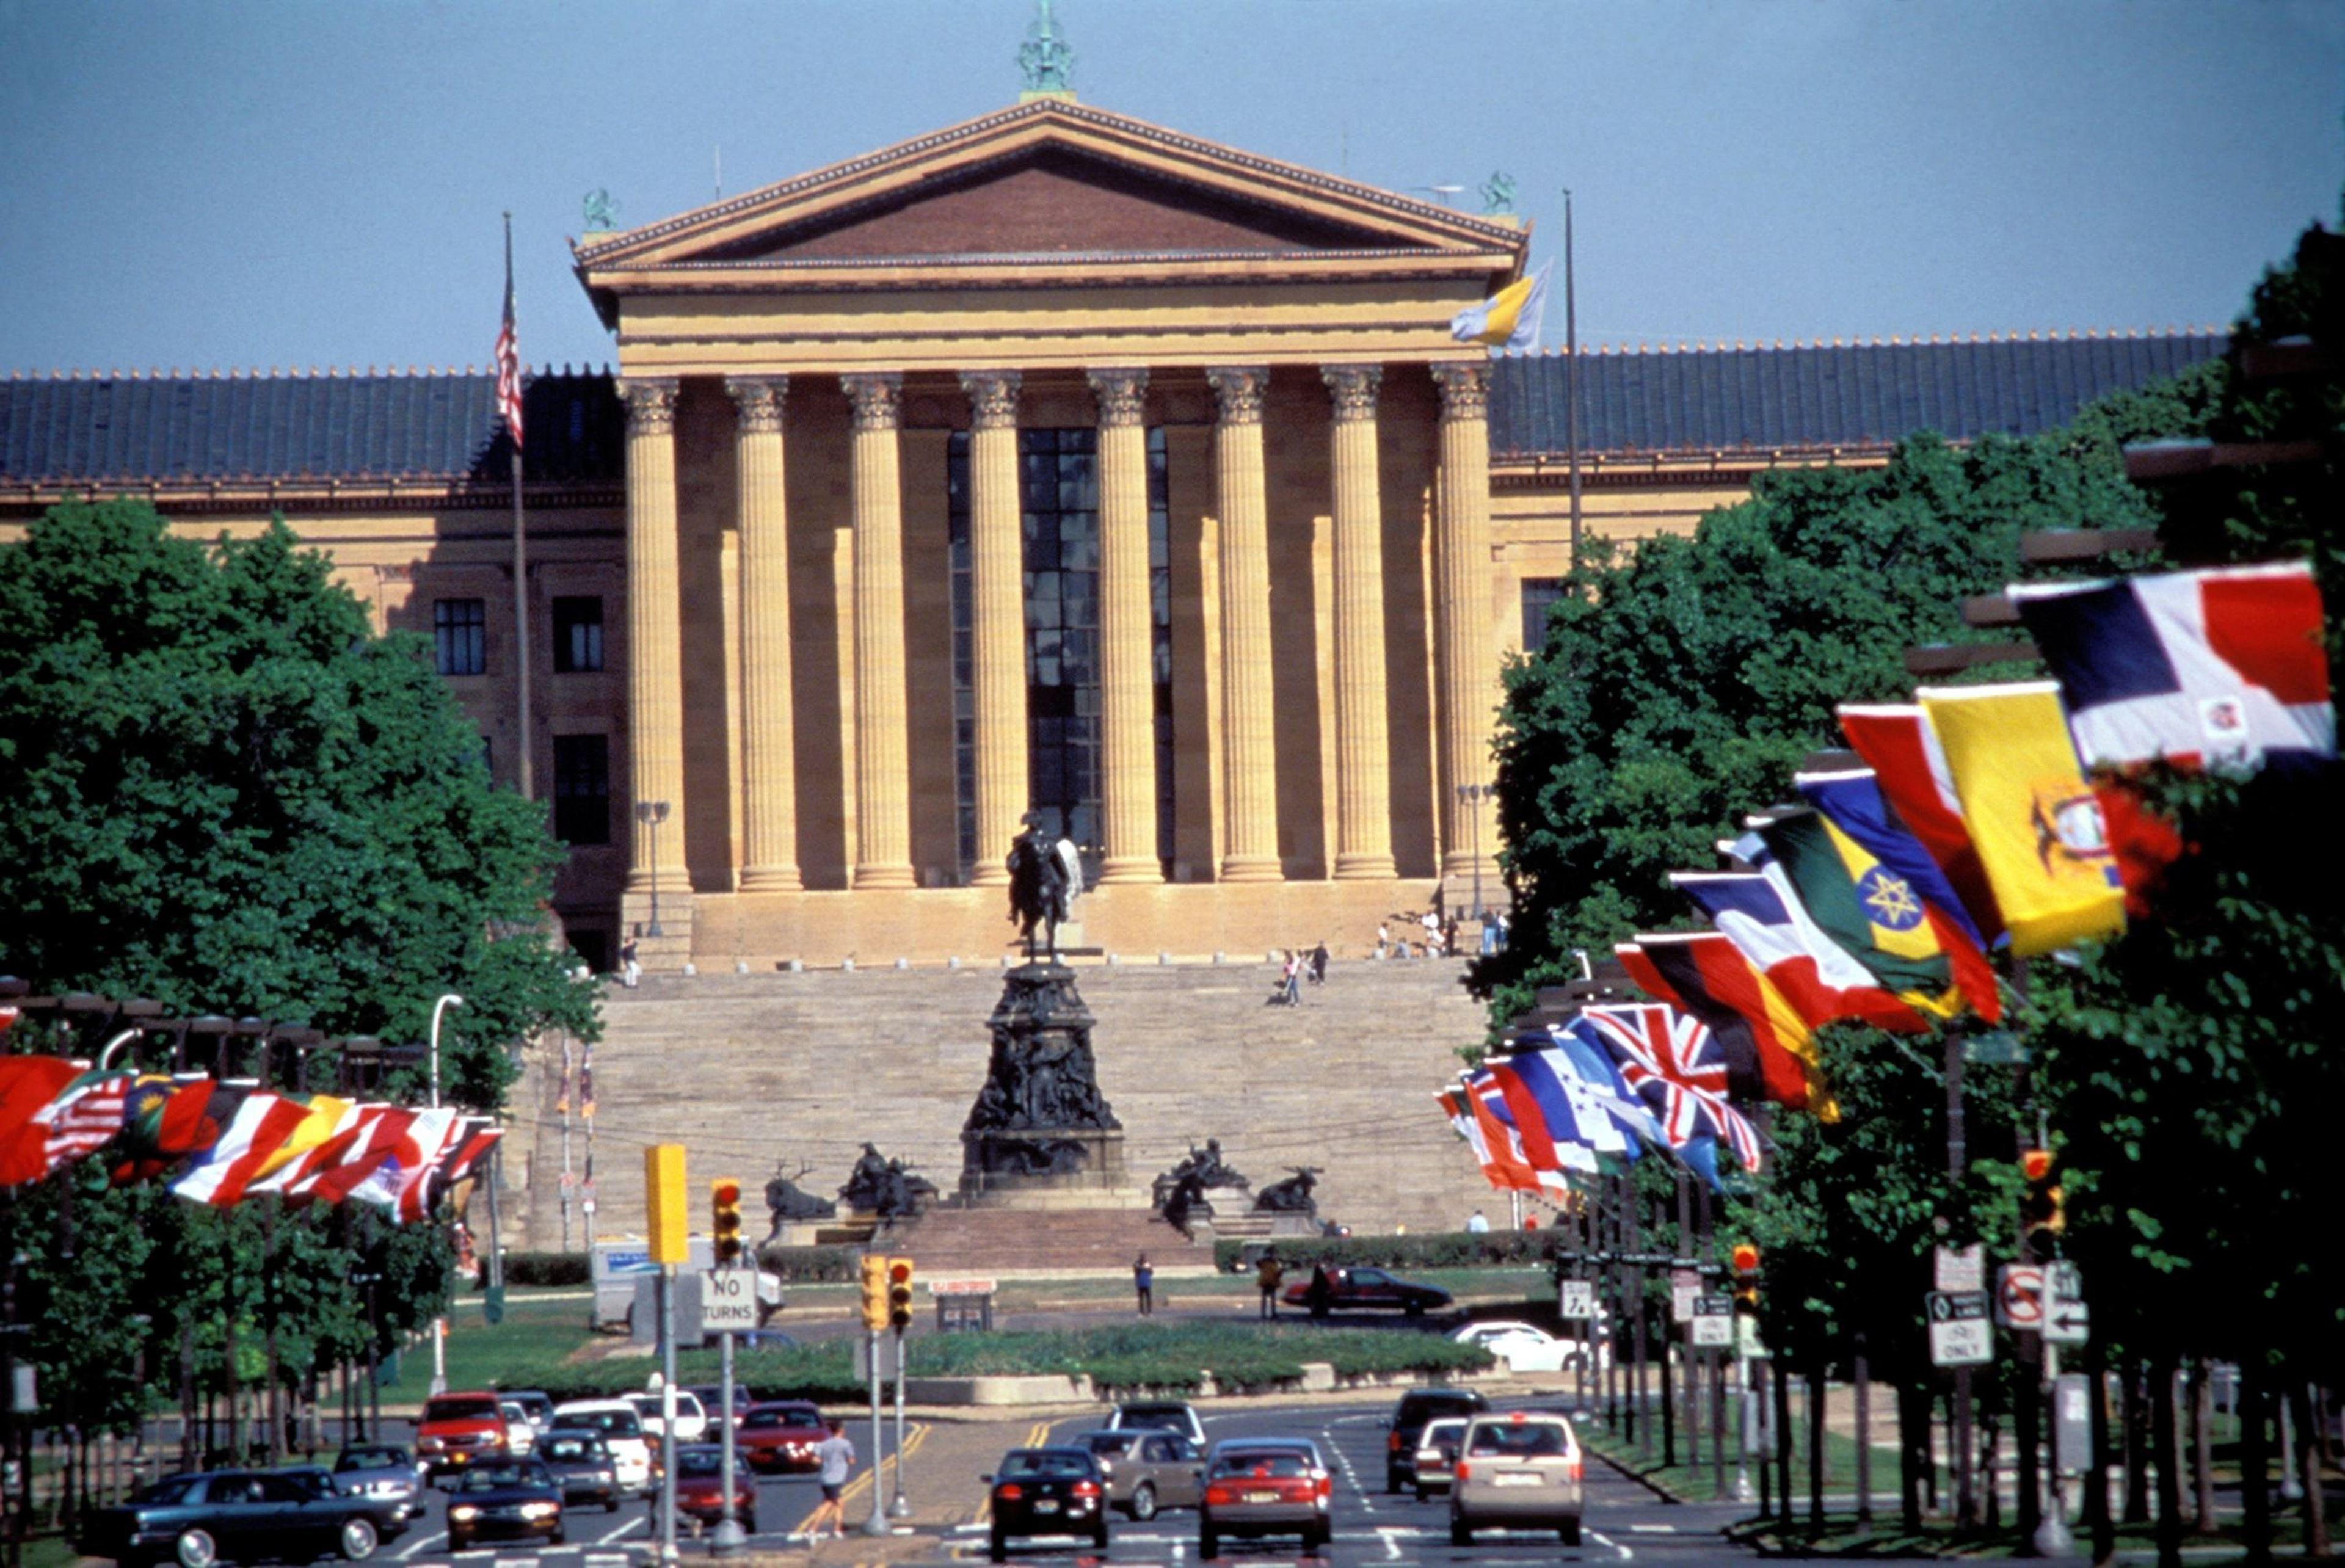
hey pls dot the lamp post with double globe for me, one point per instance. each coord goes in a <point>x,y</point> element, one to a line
<point>651,814</point>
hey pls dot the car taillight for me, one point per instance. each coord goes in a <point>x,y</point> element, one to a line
<point>1392,1443</point>
<point>1573,1470</point>
<point>1086,1489</point>
<point>1219,1495</point>
<point>1326,1487</point>
<point>1009,1492</point>
<point>1465,1472</point>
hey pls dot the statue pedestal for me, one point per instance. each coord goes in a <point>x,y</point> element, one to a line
<point>1040,1134</point>
<point>1046,1168</point>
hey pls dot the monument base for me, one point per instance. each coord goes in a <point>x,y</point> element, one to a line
<point>1045,1168</point>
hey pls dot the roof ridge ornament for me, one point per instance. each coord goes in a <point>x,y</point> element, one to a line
<point>1044,59</point>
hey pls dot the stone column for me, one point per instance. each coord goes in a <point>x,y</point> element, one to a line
<point>655,654</point>
<point>1467,659</point>
<point>883,791</point>
<point>1126,638</point>
<point>769,814</point>
<point>996,580</point>
<point>1362,777</point>
<point>1249,754</point>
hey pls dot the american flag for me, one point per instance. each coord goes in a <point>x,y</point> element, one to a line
<point>1674,1063</point>
<point>85,1117</point>
<point>509,354</point>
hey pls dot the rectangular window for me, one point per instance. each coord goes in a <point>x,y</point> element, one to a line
<point>581,789</point>
<point>1538,595</point>
<point>460,635</point>
<point>578,635</point>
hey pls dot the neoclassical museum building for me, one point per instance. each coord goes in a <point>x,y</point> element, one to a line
<point>1053,461</point>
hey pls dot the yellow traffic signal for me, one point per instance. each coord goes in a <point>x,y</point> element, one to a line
<point>669,1230</point>
<point>899,1294</point>
<point>725,1225</point>
<point>2044,1211</point>
<point>1746,1277</point>
<point>875,1293</point>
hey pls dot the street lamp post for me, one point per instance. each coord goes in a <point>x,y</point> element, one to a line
<point>1472,795</point>
<point>651,814</point>
<point>440,1324</point>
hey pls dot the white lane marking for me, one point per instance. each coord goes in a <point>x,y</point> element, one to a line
<point>624,1527</point>
<point>1598,1535</point>
<point>1180,1549</point>
<point>1350,1476</point>
<point>1392,1545</point>
<point>418,1545</point>
<point>1652,1530</point>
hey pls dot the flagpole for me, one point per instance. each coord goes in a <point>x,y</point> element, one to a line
<point>1571,375</point>
<point>523,744</point>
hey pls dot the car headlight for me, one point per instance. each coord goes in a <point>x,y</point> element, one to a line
<point>610,1475</point>
<point>464,1511</point>
<point>540,1510</point>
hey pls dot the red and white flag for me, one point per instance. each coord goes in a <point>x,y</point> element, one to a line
<point>508,352</point>
<point>260,1127</point>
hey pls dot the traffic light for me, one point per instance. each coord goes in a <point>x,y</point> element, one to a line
<point>724,1226</point>
<point>1746,1279</point>
<point>875,1292</point>
<point>2043,1212</point>
<point>899,1294</point>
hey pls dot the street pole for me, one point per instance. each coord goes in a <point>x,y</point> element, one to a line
<point>728,1537</point>
<point>899,1506</point>
<point>1966,1516</point>
<point>1571,376</point>
<point>878,1523</point>
<point>664,1527</point>
<point>440,1323</point>
<point>2052,1537</point>
<point>651,814</point>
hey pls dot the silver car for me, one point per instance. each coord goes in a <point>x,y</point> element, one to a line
<point>1146,1470</point>
<point>1436,1454</point>
<point>1519,1470</point>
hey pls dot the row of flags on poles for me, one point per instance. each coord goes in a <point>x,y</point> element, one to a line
<point>1981,819</point>
<point>221,1143</point>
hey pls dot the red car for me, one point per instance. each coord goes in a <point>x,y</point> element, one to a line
<point>1367,1290</point>
<point>778,1439</point>
<point>700,1487</point>
<point>460,1429</point>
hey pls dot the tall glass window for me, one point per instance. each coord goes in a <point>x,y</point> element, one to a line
<point>1059,499</point>
<point>460,636</point>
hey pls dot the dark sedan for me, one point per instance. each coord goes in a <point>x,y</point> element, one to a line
<point>1271,1487</point>
<point>700,1487</point>
<point>384,1469</point>
<point>240,1516</point>
<point>1048,1491</point>
<point>1366,1291</point>
<point>582,1463</point>
<point>506,1500</point>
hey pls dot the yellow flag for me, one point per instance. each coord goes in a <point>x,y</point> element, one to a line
<point>2034,820</point>
<point>325,1115</point>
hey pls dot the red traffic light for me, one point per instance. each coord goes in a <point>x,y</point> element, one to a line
<point>727,1193</point>
<point>1746,1257</point>
<point>2036,1163</point>
<point>899,1271</point>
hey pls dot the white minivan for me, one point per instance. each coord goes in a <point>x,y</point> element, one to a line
<point>691,1416</point>
<point>621,1429</point>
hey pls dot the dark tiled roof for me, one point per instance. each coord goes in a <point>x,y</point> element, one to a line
<point>1812,397</point>
<point>437,425</point>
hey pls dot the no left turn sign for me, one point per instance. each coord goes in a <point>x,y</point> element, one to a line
<point>2019,1296</point>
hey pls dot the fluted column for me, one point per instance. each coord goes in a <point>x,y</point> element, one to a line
<point>883,791</point>
<point>1127,683</point>
<point>654,655</point>
<point>769,814</point>
<point>1249,754</point>
<point>997,577</point>
<point>1468,660</point>
<point>1363,747</point>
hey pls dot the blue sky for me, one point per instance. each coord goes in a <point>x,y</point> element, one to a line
<point>235,182</point>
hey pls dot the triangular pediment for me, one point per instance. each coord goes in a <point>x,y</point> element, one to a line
<point>1052,180</point>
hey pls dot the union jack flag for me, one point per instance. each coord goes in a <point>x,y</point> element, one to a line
<point>1673,1063</point>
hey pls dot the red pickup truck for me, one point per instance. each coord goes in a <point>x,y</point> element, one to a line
<point>1364,1289</point>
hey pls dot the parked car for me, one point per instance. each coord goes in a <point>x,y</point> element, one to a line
<point>1416,1408</point>
<point>521,1432</point>
<point>383,1469</point>
<point>1146,1470</point>
<point>1048,1491</point>
<point>621,1430</point>
<point>700,1487</point>
<point>691,1420</point>
<point>1526,1346</point>
<point>1254,1490</point>
<point>1436,1464</point>
<point>506,1500</point>
<point>535,1404</point>
<point>460,1429</point>
<point>212,1517</point>
<point>778,1439</point>
<point>582,1462</point>
<point>1159,1415</point>
<point>1365,1289</point>
<point>1520,1471</point>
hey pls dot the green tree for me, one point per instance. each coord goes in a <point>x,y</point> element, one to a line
<point>225,792</point>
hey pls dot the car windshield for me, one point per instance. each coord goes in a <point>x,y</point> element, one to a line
<point>1519,1440</point>
<point>762,1420</point>
<point>609,1422</point>
<point>1446,1430</point>
<point>493,1477</point>
<point>1166,1418</point>
<point>699,1461</point>
<point>1419,1408</point>
<point>1108,1443</point>
<point>573,1450</point>
<point>373,1459</point>
<point>1263,1462</point>
<point>1042,1461</point>
<point>169,1491</point>
<point>460,1410</point>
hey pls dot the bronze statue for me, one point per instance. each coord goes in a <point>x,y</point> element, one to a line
<point>1046,876</point>
<point>1292,1196</point>
<point>785,1200</point>
<point>887,1188</point>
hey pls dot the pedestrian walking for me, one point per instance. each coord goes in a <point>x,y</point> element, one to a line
<point>1144,1285</point>
<point>1322,1291</point>
<point>630,971</point>
<point>1502,930</point>
<point>1266,1276</point>
<point>1294,978</point>
<point>1319,962</point>
<point>835,1455</point>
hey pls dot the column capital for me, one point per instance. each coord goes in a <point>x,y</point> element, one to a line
<point>757,401</point>
<point>878,399</point>
<point>1354,386</point>
<point>1237,391</point>
<point>651,404</point>
<point>1464,389</point>
<point>1122,393</point>
<point>992,398</point>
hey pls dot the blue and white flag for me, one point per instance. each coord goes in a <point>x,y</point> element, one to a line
<point>1509,318</point>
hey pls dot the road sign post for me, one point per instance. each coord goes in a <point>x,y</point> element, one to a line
<point>1713,1321</point>
<point>1576,1300</point>
<point>1959,1333</point>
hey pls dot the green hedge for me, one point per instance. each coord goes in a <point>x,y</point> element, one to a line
<point>1440,1249</point>
<point>814,1265</point>
<point>1121,1356</point>
<point>547,1269</point>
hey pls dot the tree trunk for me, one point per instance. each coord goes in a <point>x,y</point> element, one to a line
<point>2202,1448</point>
<point>2255,1462</point>
<point>1783,1437</point>
<point>1912,1410</point>
<point>1817,1385</point>
<point>2097,1475</point>
<point>2307,1457</point>
<point>2026,1429</point>
<point>2169,1477</point>
<point>2137,1442</point>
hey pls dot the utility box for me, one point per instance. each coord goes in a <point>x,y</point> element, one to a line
<point>2072,1423</point>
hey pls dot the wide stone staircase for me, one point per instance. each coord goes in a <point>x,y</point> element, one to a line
<point>760,1074</point>
<point>1009,1242</point>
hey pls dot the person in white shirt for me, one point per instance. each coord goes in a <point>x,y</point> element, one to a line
<point>1477,1225</point>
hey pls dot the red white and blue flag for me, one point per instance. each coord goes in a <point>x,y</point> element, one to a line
<point>2222,668</point>
<point>1910,770</point>
<point>509,354</point>
<point>1674,1063</point>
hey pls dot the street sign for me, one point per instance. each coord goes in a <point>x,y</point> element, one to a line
<point>1747,1346</point>
<point>728,1300</point>
<point>1685,1287</point>
<point>1958,1329</point>
<point>2072,1423</point>
<point>1959,1268</point>
<point>1713,1321</point>
<point>1576,1298</point>
<point>2019,1296</point>
<point>2068,1322</point>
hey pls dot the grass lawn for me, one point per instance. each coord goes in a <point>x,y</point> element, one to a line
<point>536,1332</point>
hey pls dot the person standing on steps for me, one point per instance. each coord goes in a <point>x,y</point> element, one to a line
<point>1319,962</point>
<point>836,1454</point>
<point>1144,1285</point>
<point>630,969</point>
<point>1266,1276</point>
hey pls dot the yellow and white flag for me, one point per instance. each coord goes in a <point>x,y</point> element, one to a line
<point>1509,318</point>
